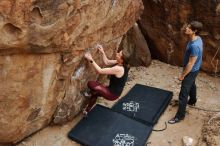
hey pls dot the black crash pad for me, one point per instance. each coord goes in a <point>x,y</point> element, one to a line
<point>104,127</point>
<point>144,103</point>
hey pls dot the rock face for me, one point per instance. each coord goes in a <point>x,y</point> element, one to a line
<point>42,68</point>
<point>135,46</point>
<point>162,21</point>
<point>72,101</point>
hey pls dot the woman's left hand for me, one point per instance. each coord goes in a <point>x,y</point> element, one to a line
<point>88,56</point>
<point>100,48</point>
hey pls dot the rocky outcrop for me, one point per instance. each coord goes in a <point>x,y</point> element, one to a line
<point>72,101</point>
<point>42,68</point>
<point>162,21</point>
<point>135,46</point>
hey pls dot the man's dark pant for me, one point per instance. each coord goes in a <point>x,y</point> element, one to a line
<point>188,88</point>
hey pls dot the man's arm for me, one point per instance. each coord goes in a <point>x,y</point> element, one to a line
<point>189,66</point>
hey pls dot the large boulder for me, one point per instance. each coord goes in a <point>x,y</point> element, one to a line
<point>42,68</point>
<point>72,101</point>
<point>162,21</point>
<point>135,47</point>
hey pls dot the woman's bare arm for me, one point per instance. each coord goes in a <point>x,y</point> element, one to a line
<point>106,61</point>
<point>115,70</point>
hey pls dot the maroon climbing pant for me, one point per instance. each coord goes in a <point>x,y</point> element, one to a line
<point>97,90</point>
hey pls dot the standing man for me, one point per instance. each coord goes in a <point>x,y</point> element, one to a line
<point>192,64</point>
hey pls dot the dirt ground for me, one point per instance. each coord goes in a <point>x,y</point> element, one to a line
<point>197,124</point>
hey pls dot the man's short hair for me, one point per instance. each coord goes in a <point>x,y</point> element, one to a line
<point>196,26</point>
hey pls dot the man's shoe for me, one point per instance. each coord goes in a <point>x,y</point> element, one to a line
<point>174,120</point>
<point>192,103</point>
